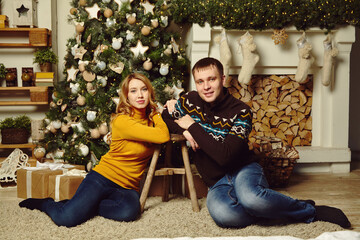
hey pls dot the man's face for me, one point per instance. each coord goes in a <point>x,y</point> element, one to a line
<point>209,83</point>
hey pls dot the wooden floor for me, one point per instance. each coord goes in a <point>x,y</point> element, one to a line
<point>336,190</point>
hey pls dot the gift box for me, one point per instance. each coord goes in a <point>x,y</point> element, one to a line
<point>64,186</point>
<point>34,183</point>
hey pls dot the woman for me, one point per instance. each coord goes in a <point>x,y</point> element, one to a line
<point>111,189</point>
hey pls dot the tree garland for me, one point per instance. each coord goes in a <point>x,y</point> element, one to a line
<point>268,14</point>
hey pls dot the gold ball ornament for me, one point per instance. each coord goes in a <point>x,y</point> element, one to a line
<point>65,128</point>
<point>108,12</point>
<point>82,3</point>
<point>39,152</point>
<point>131,20</point>
<point>154,23</point>
<point>147,65</point>
<point>73,11</point>
<point>53,105</point>
<point>103,129</point>
<point>80,100</point>
<point>52,129</point>
<point>145,30</point>
<point>79,28</point>
<point>82,67</point>
<point>94,133</point>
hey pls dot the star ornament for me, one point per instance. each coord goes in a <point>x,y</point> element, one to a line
<point>71,73</point>
<point>22,10</point>
<point>139,49</point>
<point>79,52</point>
<point>148,7</point>
<point>93,11</point>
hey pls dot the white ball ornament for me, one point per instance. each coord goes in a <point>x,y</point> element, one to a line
<point>90,116</point>
<point>94,133</point>
<point>102,80</point>
<point>164,69</point>
<point>83,150</point>
<point>56,124</point>
<point>116,43</point>
<point>154,43</point>
<point>81,100</point>
<point>101,65</point>
<point>106,1</point>
<point>110,22</point>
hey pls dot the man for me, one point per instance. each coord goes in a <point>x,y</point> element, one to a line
<point>217,126</point>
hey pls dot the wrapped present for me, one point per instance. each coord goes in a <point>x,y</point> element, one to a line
<point>34,182</point>
<point>64,186</point>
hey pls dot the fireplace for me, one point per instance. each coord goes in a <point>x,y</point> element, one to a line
<point>328,150</point>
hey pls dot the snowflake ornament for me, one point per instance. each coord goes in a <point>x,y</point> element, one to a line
<point>279,36</point>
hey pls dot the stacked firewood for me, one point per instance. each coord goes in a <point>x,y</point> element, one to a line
<point>281,107</point>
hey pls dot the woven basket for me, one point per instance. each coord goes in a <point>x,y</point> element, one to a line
<point>14,136</point>
<point>277,159</point>
<point>278,170</point>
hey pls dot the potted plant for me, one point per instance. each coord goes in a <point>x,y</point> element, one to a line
<point>45,57</point>
<point>15,130</point>
<point>2,71</point>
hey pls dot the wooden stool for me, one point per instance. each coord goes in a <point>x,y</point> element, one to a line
<point>168,171</point>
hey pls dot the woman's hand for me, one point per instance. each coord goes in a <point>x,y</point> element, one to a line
<point>170,105</point>
<point>185,122</point>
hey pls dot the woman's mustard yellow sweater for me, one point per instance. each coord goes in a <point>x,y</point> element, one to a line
<point>132,145</point>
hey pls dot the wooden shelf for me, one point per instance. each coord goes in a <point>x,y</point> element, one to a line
<point>20,146</point>
<point>37,95</point>
<point>38,37</point>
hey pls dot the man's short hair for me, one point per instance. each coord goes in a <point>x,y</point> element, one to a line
<point>206,62</point>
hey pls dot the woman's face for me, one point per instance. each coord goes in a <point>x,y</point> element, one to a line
<point>138,95</point>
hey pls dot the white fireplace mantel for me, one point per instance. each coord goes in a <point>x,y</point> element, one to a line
<point>330,111</point>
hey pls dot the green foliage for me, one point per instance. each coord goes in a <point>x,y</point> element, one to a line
<point>268,14</point>
<point>2,71</point>
<point>45,55</point>
<point>21,121</point>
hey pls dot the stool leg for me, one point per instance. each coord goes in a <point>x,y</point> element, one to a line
<point>189,177</point>
<point>167,163</point>
<point>149,177</point>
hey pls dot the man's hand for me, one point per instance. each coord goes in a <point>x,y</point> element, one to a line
<point>191,140</point>
<point>185,122</point>
<point>170,105</point>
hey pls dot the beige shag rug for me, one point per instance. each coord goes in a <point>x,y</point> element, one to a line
<point>173,219</point>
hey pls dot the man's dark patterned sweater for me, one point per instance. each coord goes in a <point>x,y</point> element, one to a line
<point>221,130</point>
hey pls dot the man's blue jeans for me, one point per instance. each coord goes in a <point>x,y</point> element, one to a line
<point>96,195</point>
<point>240,199</point>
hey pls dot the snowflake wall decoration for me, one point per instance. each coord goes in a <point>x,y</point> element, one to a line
<point>279,36</point>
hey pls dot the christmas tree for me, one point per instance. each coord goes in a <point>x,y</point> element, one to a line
<point>113,38</point>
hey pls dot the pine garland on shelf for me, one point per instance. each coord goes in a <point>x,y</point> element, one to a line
<point>268,14</point>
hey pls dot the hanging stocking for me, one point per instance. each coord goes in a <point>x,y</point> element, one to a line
<point>305,59</point>
<point>330,52</point>
<point>250,58</point>
<point>225,54</point>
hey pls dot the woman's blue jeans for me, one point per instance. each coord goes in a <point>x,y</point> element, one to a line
<point>242,198</point>
<point>96,195</point>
